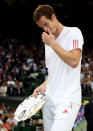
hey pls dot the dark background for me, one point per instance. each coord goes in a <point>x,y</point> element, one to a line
<point>16,18</point>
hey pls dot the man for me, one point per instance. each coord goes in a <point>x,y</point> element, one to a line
<point>63,49</point>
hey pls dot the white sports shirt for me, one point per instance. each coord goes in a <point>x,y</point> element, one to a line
<point>63,83</point>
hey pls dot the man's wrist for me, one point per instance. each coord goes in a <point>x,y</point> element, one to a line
<point>53,44</point>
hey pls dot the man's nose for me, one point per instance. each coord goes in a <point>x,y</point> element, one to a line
<point>46,29</point>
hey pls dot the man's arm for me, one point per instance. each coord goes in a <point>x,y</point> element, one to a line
<point>44,83</point>
<point>72,57</point>
<point>41,88</point>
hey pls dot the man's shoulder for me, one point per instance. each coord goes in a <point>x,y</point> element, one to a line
<point>74,31</point>
<point>73,28</point>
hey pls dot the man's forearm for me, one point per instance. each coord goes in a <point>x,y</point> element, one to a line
<point>69,57</point>
<point>44,83</point>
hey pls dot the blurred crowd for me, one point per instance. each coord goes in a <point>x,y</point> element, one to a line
<point>8,123</point>
<point>87,73</point>
<point>16,59</point>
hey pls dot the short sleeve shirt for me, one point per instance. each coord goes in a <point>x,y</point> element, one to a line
<point>63,80</point>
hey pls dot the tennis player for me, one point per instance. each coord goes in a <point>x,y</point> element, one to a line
<point>63,53</point>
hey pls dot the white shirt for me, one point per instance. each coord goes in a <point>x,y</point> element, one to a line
<point>11,82</point>
<point>82,76</point>
<point>34,67</point>
<point>63,81</point>
<point>3,89</point>
<point>91,84</point>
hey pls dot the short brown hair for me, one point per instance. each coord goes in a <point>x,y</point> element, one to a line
<point>43,10</point>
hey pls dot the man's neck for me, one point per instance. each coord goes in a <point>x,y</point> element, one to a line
<point>59,29</point>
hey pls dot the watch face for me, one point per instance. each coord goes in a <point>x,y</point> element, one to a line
<point>22,114</point>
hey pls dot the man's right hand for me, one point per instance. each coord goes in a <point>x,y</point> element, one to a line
<point>41,89</point>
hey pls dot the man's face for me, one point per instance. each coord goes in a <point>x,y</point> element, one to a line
<point>48,24</point>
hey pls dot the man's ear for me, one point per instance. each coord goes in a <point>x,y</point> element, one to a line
<point>53,17</point>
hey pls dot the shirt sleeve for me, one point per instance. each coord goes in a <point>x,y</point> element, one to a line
<point>77,40</point>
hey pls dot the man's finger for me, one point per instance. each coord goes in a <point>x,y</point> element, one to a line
<point>34,94</point>
<point>49,32</point>
<point>45,34</point>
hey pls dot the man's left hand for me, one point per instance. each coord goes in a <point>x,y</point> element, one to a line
<point>48,39</point>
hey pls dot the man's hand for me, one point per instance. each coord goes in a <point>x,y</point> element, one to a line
<point>39,89</point>
<point>48,39</point>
